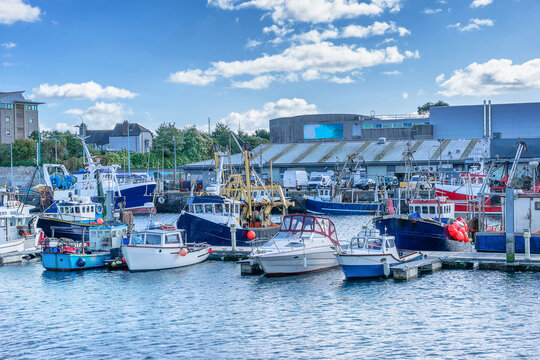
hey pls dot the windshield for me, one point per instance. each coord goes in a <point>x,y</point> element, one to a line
<point>316,178</point>
<point>374,244</point>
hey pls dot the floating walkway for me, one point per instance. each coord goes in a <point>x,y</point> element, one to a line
<point>17,256</point>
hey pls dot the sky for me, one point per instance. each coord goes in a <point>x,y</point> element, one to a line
<point>243,62</point>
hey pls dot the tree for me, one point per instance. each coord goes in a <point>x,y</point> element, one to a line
<point>263,134</point>
<point>424,109</point>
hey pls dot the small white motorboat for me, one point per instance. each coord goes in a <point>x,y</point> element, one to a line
<point>370,254</point>
<point>304,244</point>
<point>161,248</point>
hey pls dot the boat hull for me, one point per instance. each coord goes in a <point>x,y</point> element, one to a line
<point>56,261</point>
<point>58,228</point>
<point>490,241</point>
<point>419,234</point>
<point>316,206</point>
<point>136,195</point>
<point>199,230</point>
<point>293,264</point>
<point>370,266</point>
<point>144,258</point>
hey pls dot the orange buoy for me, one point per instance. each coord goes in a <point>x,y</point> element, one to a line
<point>250,235</point>
<point>459,236</point>
<point>183,252</point>
<point>100,221</point>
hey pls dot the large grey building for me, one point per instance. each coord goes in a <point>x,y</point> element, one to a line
<point>125,136</point>
<point>18,117</point>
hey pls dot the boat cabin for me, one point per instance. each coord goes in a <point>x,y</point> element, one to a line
<point>302,225</point>
<point>84,211</point>
<point>325,194</point>
<point>370,240</point>
<point>107,237</point>
<point>434,209</point>
<point>158,238</point>
<point>214,205</point>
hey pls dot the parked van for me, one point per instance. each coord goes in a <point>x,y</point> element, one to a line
<point>318,180</point>
<point>295,179</point>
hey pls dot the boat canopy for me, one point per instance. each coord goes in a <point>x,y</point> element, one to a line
<point>431,208</point>
<point>309,223</point>
<point>157,237</point>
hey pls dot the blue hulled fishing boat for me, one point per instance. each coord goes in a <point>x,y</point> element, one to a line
<point>325,203</point>
<point>426,228</point>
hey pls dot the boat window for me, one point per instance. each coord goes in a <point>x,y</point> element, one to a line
<point>12,222</point>
<point>411,209</point>
<point>374,244</point>
<point>219,208</point>
<point>286,223</point>
<point>172,239</point>
<point>308,224</point>
<point>297,223</point>
<point>137,239</point>
<point>3,222</point>
<point>92,209</point>
<point>295,244</point>
<point>71,210</point>
<point>417,209</point>
<point>84,209</point>
<point>227,208</point>
<point>424,210</point>
<point>358,243</point>
<point>389,243</point>
<point>78,209</point>
<point>19,221</point>
<point>191,209</point>
<point>208,208</point>
<point>237,209</point>
<point>153,239</point>
<point>88,209</point>
<point>432,209</point>
<point>198,209</point>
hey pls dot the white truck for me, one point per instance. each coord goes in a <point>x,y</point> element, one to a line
<point>295,179</point>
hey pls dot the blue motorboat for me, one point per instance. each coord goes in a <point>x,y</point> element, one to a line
<point>370,254</point>
<point>326,203</point>
<point>426,228</point>
<point>97,245</point>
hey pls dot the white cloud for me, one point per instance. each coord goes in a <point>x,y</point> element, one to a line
<point>325,58</point>
<point>497,76</point>
<point>480,3</point>
<point>260,82</point>
<point>192,77</point>
<point>7,64</point>
<point>474,24</point>
<point>63,127</point>
<point>404,95</point>
<point>252,44</point>
<point>432,11</point>
<point>311,74</point>
<point>341,80</point>
<point>395,72</point>
<point>89,90</point>
<point>12,11</point>
<point>102,115</point>
<point>352,31</point>
<point>9,45</point>
<point>256,119</point>
<point>312,11</point>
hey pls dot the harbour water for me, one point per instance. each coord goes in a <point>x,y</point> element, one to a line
<point>211,311</point>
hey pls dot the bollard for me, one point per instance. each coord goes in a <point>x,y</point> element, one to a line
<point>509,226</point>
<point>527,239</point>
<point>233,237</point>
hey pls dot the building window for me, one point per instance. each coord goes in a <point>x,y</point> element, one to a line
<point>30,120</point>
<point>31,107</point>
<point>407,124</point>
<point>8,119</point>
<point>8,133</point>
<point>386,126</point>
<point>367,126</point>
<point>397,125</point>
<point>6,106</point>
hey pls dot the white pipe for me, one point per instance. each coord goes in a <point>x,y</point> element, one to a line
<point>485,133</point>
<point>489,119</point>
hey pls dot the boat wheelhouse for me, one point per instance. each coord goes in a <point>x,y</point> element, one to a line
<point>328,203</point>
<point>439,209</point>
<point>304,243</point>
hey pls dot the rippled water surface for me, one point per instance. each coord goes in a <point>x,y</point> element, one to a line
<point>210,311</point>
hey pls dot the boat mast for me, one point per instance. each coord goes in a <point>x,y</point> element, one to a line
<point>248,181</point>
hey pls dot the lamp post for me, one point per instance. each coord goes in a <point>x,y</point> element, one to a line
<point>129,162</point>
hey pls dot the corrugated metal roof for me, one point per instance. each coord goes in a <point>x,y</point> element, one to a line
<point>371,151</point>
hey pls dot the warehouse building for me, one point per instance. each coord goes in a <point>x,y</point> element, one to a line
<point>449,137</point>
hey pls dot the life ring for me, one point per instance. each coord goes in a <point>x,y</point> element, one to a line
<point>99,209</point>
<point>25,233</point>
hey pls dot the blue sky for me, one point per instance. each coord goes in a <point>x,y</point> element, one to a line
<point>246,61</point>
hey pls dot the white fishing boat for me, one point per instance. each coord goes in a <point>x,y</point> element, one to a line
<point>164,247</point>
<point>304,244</point>
<point>370,254</point>
<point>18,230</point>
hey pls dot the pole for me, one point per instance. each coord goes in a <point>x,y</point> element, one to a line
<point>11,160</point>
<point>39,155</point>
<point>527,239</point>
<point>174,140</point>
<point>56,151</point>
<point>509,226</point>
<point>129,162</point>
<point>233,237</point>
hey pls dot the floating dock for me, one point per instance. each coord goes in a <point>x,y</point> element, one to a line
<point>17,256</point>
